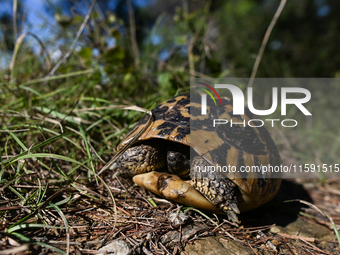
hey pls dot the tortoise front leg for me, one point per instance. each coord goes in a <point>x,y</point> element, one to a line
<point>140,159</point>
<point>172,187</point>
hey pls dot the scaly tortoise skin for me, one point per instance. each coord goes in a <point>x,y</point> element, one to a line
<point>162,154</point>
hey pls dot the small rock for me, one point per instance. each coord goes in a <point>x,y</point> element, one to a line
<point>234,247</point>
<point>117,247</point>
<point>206,246</point>
<point>305,229</point>
<point>215,245</point>
<point>275,229</point>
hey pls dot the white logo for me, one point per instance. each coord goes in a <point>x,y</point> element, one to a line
<point>238,100</point>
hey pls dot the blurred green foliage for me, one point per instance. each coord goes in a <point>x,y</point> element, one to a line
<point>175,41</point>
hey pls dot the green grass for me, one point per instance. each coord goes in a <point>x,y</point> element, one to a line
<point>57,132</point>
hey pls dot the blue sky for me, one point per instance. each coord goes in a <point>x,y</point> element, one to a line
<point>40,22</point>
<point>37,16</point>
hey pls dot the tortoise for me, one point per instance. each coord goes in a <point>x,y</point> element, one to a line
<point>160,159</point>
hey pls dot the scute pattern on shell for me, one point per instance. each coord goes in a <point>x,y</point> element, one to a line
<point>171,122</point>
<point>240,146</point>
<point>223,145</point>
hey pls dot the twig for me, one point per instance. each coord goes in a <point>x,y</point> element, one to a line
<point>269,243</point>
<point>288,248</point>
<point>16,250</point>
<point>14,131</point>
<point>132,22</point>
<point>22,22</point>
<point>135,247</point>
<point>18,43</point>
<point>15,29</point>
<point>2,188</point>
<point>191,57</point>
<point>48,61</point>
<point>309,239</point>
<point>164,248</point>
<point>252,249</point>
<point>264,42</point>
<point>232,237</point>
<point>69,53</point>
<point>146,251</point>
<point>314,247</point>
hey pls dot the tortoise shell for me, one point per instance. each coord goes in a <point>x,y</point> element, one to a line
<point>237,146</point>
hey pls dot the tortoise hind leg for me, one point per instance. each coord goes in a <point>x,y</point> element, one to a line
<point>218,189</point>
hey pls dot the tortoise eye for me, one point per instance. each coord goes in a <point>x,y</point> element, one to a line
<point>174,156</point>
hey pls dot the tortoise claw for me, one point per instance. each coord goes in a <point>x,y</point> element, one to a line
<point>234,207</point>
<point>173,188</point>
<point>232,216</point>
